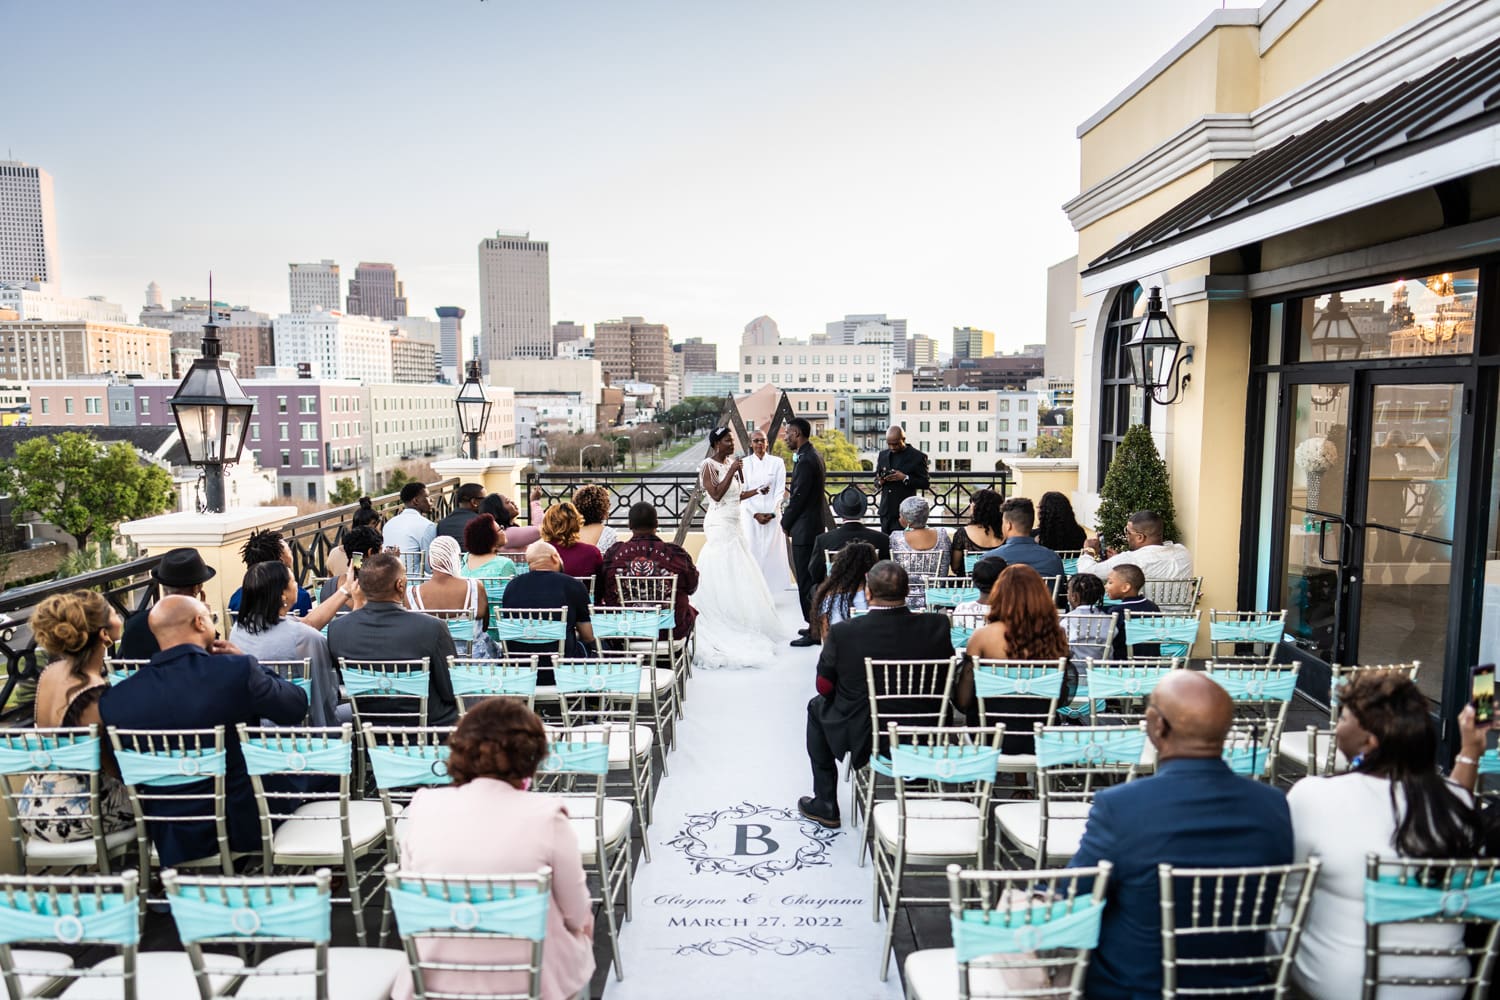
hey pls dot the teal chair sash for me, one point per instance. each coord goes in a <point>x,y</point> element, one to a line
<point>953,764</point>
<point>409,766</point>
<point>949,597</point>
<point>1247,761</point>
<point>413,683</point>
<point>116,676</point>
<point>598,677</point>
<point>1254,684</point>
<point>630,624</point>
<point>498,680</point>
<point>1062,924</point>
<point>529,629</point>
<point>20,754</point>
<point>995,681</point>
<point>1389,902</point>
<point>109,918</point>
<point>1125,682</point>
<point>523,915</point>
<point>1489,762</point>
<point>175,767</point>
<point>461,629</point>
<point>971,559</point>
<point>1090,747</point>
<point>1070,566</point>
<point>284,756</point>
<point>300,912</point>
<point>567,757</point>
<point>960,636</point>
<point>1246,631</point>
<point>1175,635</point>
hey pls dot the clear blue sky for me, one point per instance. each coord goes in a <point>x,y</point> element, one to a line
<point>698,162</point>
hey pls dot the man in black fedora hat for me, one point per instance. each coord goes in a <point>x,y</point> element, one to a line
<point>181,571</point>
<point>849,507</point>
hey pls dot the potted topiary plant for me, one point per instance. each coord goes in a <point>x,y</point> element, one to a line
<point>1137,479</point>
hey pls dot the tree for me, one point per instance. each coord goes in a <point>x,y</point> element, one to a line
<point>395,479</point>
<point>1053,445</point>
<point>838,454</point>
<point>83,486</point>
<point>1137,480</point>
<point>345,491</point>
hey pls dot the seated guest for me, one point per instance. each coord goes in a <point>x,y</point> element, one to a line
<point>181,571</point>
<point>494,755</point>
<point>465,508</point>
<point>447,589</point>
<point>359,544</point>
<point>77,630</point>
<point>366,516</point>
<point>482,559</point>
<point>1123,588</point>
<point>199,681</point>
<point>1145,546</point>
<point>267,631</point>
<point>849,507</point>
<point>986,574</point>
<point>560,526</point>
<point>1056,525</point>
<point>842,591</point>
<point>412,530</point>
<point>984,532</point>
<point>504,510</point>
<point>592,502</point>
<point>1020,549</point>
<point>838,717</point>
<point>269,546</point>
<point>384,630</point>
<point>1022,625</point>
<point>1085,597</point>
<point>1392,802</point>
<point>544,586</point>
<point>644,554</point>
<point>921,551</point>
<point>1195,813</point>
<point>337,561</point>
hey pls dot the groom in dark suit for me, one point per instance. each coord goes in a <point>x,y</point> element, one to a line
<point>802,518</point>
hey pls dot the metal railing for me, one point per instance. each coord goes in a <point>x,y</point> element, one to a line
<point>314,536</point>
<point>671,493</point>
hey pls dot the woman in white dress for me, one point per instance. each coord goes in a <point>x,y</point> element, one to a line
<point>737,621</point>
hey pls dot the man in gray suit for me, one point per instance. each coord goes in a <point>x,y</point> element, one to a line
<point>385,630</point>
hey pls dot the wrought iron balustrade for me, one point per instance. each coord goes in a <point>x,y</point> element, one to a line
<point>314,536</point>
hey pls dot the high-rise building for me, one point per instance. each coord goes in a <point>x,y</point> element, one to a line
<point>243,332</point>
<point>969,343</point>
<point>314,286</point>
<point>921,350</point>
<point>41,349</point>
<point>856,328</point>
<point>760,331</point>
<point>28,224</point>
<point>565,330</point>
<point>515,300</point>
<point>336,346</point>
<point>632,349</point>
<point>375,291</point>
<point>412,361</point>
<point>696,356</point>
<point>450,336</point>
<point>153,296</point>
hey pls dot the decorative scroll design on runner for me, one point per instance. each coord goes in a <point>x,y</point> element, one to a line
<point>812,854</point>
<point>754,944</point>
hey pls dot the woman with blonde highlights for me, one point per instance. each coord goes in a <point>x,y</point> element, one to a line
<point>561,526</point>
<point>494,754</point>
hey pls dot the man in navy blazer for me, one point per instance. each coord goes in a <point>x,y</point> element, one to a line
<point>1195,812</point>
<point>198,681</point>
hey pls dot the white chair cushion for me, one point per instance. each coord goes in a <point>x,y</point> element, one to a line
<point>1293,746</point>
<point>619,742</point>
<point>353,974</point>
<point>617,819</point>
<point>663,678</point>
<point>160,975</point>
<point>306,837</point>
<point>932,974</point>
<point>40,961</point>
<point>1024,763</point>
<point>1022,823</point>
<point>936,829</point>
<point>74,852</point>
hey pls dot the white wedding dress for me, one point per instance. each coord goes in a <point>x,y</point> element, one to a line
<point>737,621</point>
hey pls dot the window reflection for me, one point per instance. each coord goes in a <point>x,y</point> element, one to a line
<point>1408,318</point>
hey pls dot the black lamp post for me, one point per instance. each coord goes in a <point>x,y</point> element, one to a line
<point>473,409</point>
<point>1156,352</point>
<point>212,414</point>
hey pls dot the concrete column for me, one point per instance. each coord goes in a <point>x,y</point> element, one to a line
<point>1035,476</point>
<point>506,476</point>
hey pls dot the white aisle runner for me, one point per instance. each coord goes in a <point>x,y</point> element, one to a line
<point>744,898</point>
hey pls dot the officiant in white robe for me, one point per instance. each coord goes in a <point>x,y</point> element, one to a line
<point>767,541</point>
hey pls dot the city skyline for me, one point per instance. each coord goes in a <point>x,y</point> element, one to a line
<point>800,163</point>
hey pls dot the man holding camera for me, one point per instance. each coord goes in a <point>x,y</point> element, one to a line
<point>900,472</point>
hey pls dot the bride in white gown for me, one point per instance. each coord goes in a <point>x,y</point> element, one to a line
<point>737,621</point>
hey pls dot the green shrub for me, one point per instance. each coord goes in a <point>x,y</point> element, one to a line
<point>1137,480</point>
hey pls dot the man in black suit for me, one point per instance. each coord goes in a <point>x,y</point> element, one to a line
<point>838,718</point>
<point>198,681</point>
<point>802,518</point>
<point>900,472</point>
<point>849,507</point>
<point>385,630</point>
<point>181,571</point>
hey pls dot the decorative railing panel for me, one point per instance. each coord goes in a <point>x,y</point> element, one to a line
<point>313,537</point>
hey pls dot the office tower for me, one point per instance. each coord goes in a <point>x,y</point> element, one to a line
<point>28,224</point>
<point>336,346</point>
<point>375,291</point>
<point>856,328</point>
<point>632,349</point>
<point>153,296</point>
<point>969,343</point>
<point>565,330</point>
<point>450,336</point>
<point>243,332</point>
<point>921,350</point>
<point>314,286</point>
<point>515,305</point>
<point>760,331</point>
<point>412,361</point>
<point>43,349</point>
<point>696,356</point>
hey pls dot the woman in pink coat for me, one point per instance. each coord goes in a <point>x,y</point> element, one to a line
<point>486,823</point>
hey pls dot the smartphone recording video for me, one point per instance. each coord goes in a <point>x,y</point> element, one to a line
<point>1482,693</point>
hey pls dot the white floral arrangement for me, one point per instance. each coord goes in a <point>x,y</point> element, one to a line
<point>1316,454</point>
